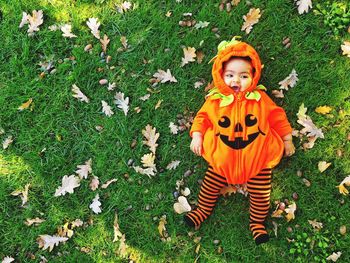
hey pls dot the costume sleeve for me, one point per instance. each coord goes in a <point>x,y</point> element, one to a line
<point>277,118</point>
<point>201,122</point>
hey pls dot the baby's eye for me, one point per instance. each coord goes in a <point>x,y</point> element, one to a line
<point>229,76</point>
<point>245,76</point>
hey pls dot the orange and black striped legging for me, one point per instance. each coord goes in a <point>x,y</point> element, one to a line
<point>259,189</point>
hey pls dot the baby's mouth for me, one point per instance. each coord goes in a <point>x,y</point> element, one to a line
<point>235,87</point>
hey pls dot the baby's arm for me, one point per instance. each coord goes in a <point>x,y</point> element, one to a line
<point>196,143</point>
<point>289,148</point>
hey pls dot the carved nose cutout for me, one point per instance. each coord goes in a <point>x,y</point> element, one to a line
<point>238,127</point>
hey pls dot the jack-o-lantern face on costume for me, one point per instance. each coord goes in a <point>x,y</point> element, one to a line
<point>238,143</point>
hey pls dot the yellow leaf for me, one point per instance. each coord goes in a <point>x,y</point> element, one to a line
<point>323,109</point>
<point>161,226</point>
<point>342,189</point>
<point>346,48</point>
<point>25,105</point>
<point>322,166</point>
<point>290,211</point>
<point>158,104</point>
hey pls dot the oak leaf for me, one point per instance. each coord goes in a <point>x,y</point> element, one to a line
<point>322,166</point>
<point>123,7</point>
<point>315,224</point>
<point>151,137</point>
<point>174,129</point>
<point>290,81</point>
<point>148,171</point>
<point>173,165</point>
<point>96,205</point>
<point>67,31</point>
<point>290,210</point>
<point>341,187</point>
<point>201,24</point>
<point>310,128</point>
<point>104,43</point>
<point>36,221</point>
<point>251,19</point>
<point>121,102</point>
<point>34,21</point>
<point>78,94</point>
<point>277,93</point>
<point>161,227</point>
<point>148,160</point>
<point>346,48</point>
<point>68,185</point>
<point>106,109</point>
<point>93,24</point>
<point>48,242</point>
<point>182,206</point>
<point>335,256</point>
<point>7,259</point>
<point>189,55</point>
<point>22,193</point>
<point>106,184</point>
<point>6,143</point>
<point>163,76</point>
<point>94,183</point>
<point>84,169</point>
<point>323,109</point>
<point>303,6</point>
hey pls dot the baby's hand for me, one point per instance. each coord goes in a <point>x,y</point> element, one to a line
<point>196,143</point>
<point>289,148</point>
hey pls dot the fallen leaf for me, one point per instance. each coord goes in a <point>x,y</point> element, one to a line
<point>198,84</point>
<point>310,128</point>
<point>161,227</point>
<point>346,48</point>
<point>290,81</point>
<point>77,223</point>
<point>342,230</point>
<point>111,86</point>
<point>104,43</point>
<point>34,21</point>
<point>124,42</point>
<point>228,190</point>
<point>36,221</point>
<point>158,104</point>
<point>117,233</point>
<point>251,19</point>
<point>173,165</point>
<point>24,20</point>
<point>96,205</point>
<point>47,241</point>
<point>25,105</point>
<point>303,6</point>
<point>235,2</point>
<point>306,182</point>
<point>290,210</point>
<point>68,185</point>
<point>201,24</point>
<point>182,206</point>
<point>315,224</point>
<point>84,170</point>
<point>106,109</point>
<point>335,256</point>
<point>67,31</point>
<point>189,55</point>
<point>148,171</point>
<point>148,161</point>
<point>302,112</point>
<point>311,142</point>
<point>78,94</point>
<point>121,102</point>
<point>93,24</point>
<point>106,184</point>
<point>323,109</point>
<point>94,183</point>
<point>275,227</point>
<point>123,7</point>
<point>103,81</point>
<point>7,259</point>
<point>151,137</point>
<point>145,97</point>
<point>168,14</point>
<point>6,143</point>
<point>322,166</point>
<point>277,93</point>
<point>173,128</point>
<point>341,187</point>
<point>23,194</point>
<point>163,76</point>
<point>200,56</point>
<point>186,192</point>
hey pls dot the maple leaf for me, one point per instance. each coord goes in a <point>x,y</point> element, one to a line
<point>151,137</point>
<point>291,80</point>
<point>96,205</point>
<point>251,19</point>
<point>182,206</point>
<point>104,43</point>
<point>201,24</point>
<point>174,129</point>
<point>78,94</point>
<point>122,103</point>
<point>106,184</point>
<point>67,31</point>
<point>36,221</point>
<point>315,224</point>
<point>22,193</point>
<point>48,242</point>
<point>25,105</point>
<point>163,76</point>
<point>346,48</point>
<point>6,143</point>
<point>94,183</point>
<point>34,20</point>
<point>84,169</point>
<point>93,24</point>
<point>290,210</point>
<point>173,165</point>
<point>323,109</point>
<point>68,185</point>
<point>303,6</point>
<point>189,55</point>
<point>335,256</point>
<point>322,166</point>
<point>106,109</point>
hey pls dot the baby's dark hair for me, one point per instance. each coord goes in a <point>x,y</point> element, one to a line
<point>246,58</point>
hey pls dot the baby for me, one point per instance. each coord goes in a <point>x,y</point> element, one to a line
<point>241,133</point>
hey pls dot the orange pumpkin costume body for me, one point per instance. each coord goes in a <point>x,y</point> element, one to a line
<point>241,131</point>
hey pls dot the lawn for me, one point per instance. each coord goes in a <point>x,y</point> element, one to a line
<point>57,132</point>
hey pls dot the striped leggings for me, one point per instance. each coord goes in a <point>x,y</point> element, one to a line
<point>259,189</point>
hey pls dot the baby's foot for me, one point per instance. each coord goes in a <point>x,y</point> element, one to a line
<point>190,223</point>
<point>259,233</point>
<point>263,238</point>
<point>195,218</point>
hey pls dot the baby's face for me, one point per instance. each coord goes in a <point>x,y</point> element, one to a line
<point>237,74</point>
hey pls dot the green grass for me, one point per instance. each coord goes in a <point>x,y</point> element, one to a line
<point>324,80</point>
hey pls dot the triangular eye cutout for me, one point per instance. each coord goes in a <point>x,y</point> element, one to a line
<point>238,127</point>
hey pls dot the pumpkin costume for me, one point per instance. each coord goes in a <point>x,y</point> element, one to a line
<point>241,139</point>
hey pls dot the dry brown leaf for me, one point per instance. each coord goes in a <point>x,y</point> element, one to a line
<point>315,224</point>
<point>346,48</point>
<point>158,104</point>
<point>105,185</point>
<point>251,19</point>
<point>93,24</point>
<point>322,166</point>
<point>148,171</point>
<point>48,242</point>
<point>96,205</point>
<point>78,94</point>
<point>277,93</point>
<point>290,210</point>
<point>25,105</point>
<point>161,227</point>
<point>7,259</point>
<point>289,81</point>
<point>200,56</point>
<point>23,194</point>
<point>67,31</point>
<point>235,2</point>
<point>168,14</point>
<point>148,160</point>
<point>323,109</point>
<point>151,137</point>
<point>228,190</point>
<point>310,128</point>
<point>106,109</point>
<point>189,55</point>
<point>124,42</point>
<point>173,165</point>
<point>174,129</point>
<point>36,221</point>
<point>6,143</point>
<point>335,256</point>
<point>94,183</point>
<point>342,188</point>
<point>104,42</point>
<point>182,206</point>
<point>163,76</point>
<point>68,185</point>
<point>117,234</point>
<point>84,170</point>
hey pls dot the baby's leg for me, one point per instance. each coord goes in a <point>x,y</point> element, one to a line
<point>208,195</point>
<point>259,188</point>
